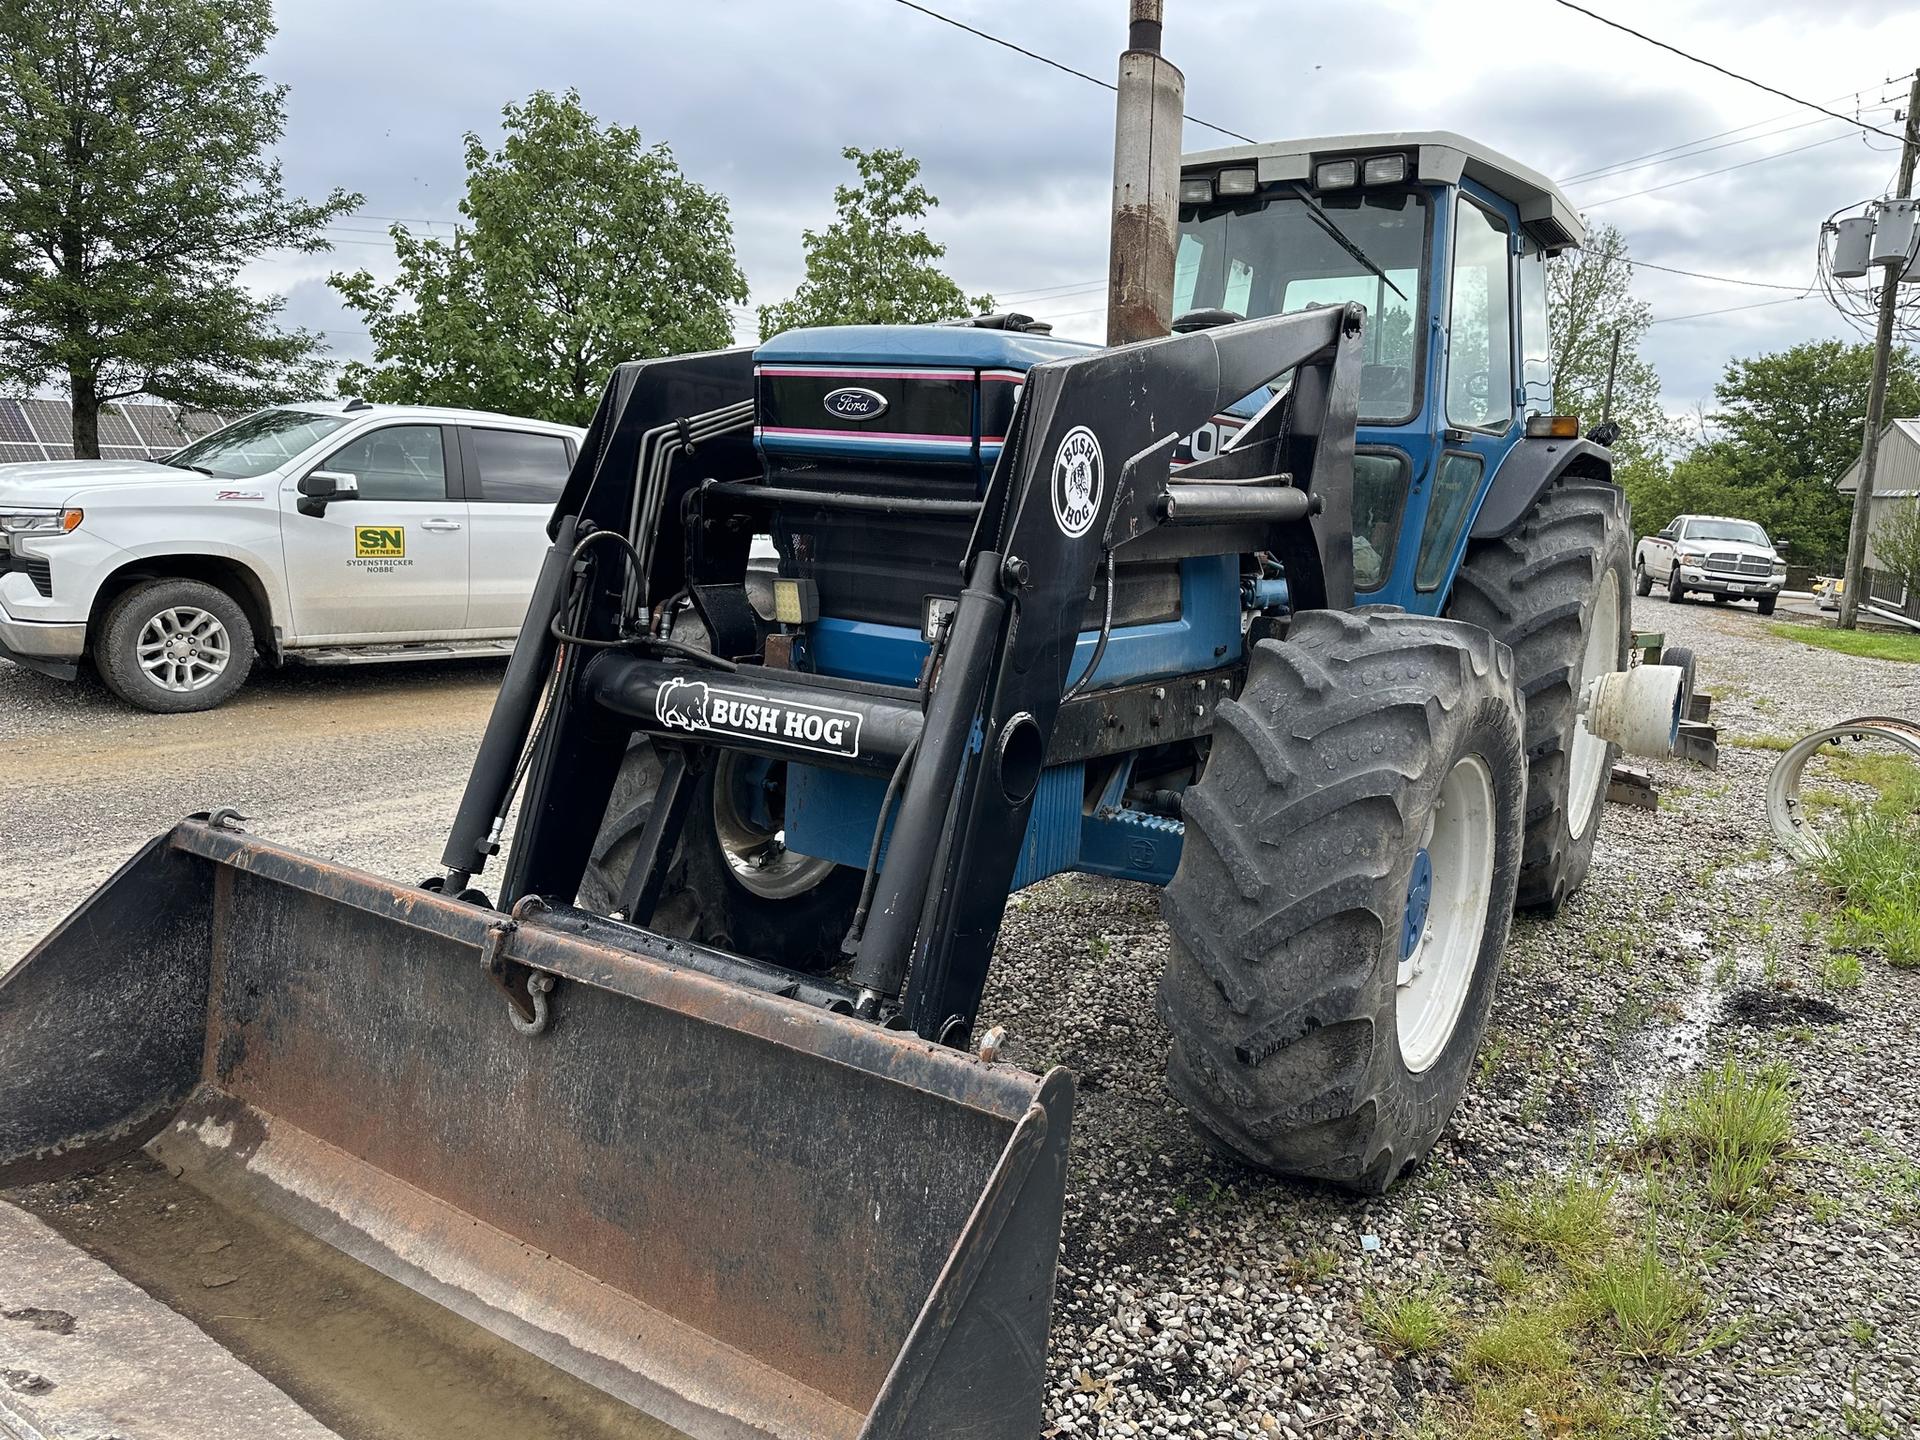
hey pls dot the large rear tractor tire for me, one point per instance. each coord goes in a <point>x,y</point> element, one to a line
<point>732,883</point>
<point>1344,894</point>
<point>1556,592</point>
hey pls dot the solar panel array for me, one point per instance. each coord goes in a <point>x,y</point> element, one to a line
<point>42,429</point>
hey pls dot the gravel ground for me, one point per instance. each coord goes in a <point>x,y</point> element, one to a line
<point>1197,1299</point>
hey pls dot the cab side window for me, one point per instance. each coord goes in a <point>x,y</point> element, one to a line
<point>1480,350</point>
<point>517,467</point>
<point>396,462</point>
<point>1536,335</point>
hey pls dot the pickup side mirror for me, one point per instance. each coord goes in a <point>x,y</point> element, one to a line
<point>320,488</point>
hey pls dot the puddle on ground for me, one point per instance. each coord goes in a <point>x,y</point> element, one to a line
<point>364,1355</point>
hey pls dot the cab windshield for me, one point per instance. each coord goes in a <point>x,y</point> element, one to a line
<point>263,441</point>
<point>1268,257</point>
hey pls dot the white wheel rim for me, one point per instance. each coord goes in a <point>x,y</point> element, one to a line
<point>1589,758</point>
<point>183,648</point>
<point>1435,977</point>
<point>758,856</point>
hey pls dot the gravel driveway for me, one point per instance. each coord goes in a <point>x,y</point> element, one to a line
<point>1197,1299</point>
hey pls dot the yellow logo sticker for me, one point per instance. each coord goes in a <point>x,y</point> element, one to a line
<point>379,542</point>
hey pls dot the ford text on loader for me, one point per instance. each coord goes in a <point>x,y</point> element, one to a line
<point>1299,613</point>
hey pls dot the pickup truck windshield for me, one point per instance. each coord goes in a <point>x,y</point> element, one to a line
<point>1744,531</point>
<point>1269,257</point>
<point>253,446</point>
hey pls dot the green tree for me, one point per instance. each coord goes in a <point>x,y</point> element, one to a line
<point>580,247</point>
<point>136,179</point>
<point>1788,426</point>
<point>1589,301</point>
<point>873,265</point>
<point>1896,547</point>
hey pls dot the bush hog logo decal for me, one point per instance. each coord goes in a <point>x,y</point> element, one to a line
<point>695,705</point>
<point>379,542</point>
<point>1076,482</point>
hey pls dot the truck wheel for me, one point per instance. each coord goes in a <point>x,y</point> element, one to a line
<point>1344,894</point>
<point>173,646</point>
<point>1767,602</point>
<point>1555,590</point>
<point>732,883</point>
<point>1675,591</point>
<point>1642,582</point>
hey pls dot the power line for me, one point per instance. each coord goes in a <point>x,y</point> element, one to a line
<point>1711,65</point>
<point>1708,174</point>
<point>1056,64</point>
<point>1608,172</point>
<point>1729,310</point>
<point>1693,274</point>
<point>1632,160</point>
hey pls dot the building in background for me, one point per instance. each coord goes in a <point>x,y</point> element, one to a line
<point>1896,478</point>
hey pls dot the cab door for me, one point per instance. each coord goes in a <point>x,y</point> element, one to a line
<point>513,480</point>
<point>391,564</point>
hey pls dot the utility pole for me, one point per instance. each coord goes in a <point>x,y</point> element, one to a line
<point>1146,182</point>
<point>1877,386</point>
<point>1613,367</point>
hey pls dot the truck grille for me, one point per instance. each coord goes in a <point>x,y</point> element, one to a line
<point>1738,564</point>
<point>36,568</point>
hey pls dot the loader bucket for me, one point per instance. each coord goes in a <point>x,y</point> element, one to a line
<point>728,1211</point>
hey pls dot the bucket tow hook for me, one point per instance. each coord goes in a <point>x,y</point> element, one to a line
<point>527,990</point>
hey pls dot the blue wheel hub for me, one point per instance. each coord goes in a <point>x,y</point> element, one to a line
<point>1419,897</point>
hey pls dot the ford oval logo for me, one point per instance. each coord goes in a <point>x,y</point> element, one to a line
<point>855,402</point>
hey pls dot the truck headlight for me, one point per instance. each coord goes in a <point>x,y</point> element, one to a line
<point>1689,557</point>
<point>40,522</point>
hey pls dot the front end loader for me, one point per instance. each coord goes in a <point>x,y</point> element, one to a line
<point>839,642</point>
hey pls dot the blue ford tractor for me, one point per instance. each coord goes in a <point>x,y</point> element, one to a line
<point>1301,612</point>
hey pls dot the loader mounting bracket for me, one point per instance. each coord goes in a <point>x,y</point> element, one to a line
<point>525,988</point>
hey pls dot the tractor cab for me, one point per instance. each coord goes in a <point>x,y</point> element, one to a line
<point>1445,244</point>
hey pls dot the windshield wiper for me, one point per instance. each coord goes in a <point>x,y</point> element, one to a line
<point>184,465</point>
<point>1338,236</point>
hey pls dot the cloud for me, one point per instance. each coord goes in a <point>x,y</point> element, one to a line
<point>757,97</point>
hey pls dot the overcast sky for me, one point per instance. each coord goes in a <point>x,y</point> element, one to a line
<point>757,97</point>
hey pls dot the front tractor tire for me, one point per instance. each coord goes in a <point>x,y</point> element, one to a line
<point>1344,894</point>
<point>1555,591</point>
<point>732,883</point>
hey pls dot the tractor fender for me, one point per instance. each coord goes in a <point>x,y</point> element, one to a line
<point>1529,467</point>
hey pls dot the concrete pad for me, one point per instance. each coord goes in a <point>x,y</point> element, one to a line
<point>87,1355</point>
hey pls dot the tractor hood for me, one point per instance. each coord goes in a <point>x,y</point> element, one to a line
<point>867,395</point>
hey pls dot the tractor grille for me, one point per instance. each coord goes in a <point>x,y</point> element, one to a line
<point>1738,564</point>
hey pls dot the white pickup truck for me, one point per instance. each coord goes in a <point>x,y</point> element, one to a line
<point>1714,555</point>
<point>341,532</point>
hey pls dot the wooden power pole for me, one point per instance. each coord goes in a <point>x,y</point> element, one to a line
<point>1877,386</point>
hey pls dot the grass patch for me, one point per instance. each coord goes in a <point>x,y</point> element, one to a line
<point>1569,1219</point>
<point>1872,861</point>
<point>1314,1266</point>
<point>1733,1125</point>
<point>1526,1340</point>
<point>1408,1321</point>
<point>1872,644</point>
<point>1841,971</point>
<point>1647,1305</point>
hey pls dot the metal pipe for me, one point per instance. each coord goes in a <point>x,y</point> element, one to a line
<point>1203,504</point>
<point>1146,179</point>
<point>755,492</point>
<point>758,705</point>
<point>490,783</point>
<point>894,922</point>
